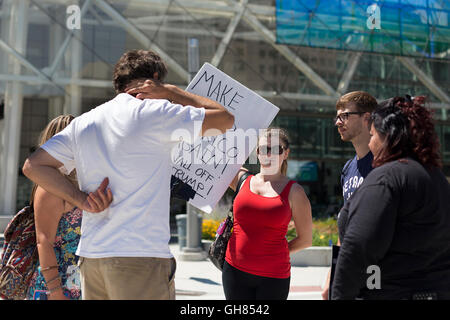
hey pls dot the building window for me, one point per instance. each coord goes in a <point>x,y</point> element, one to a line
<point>262,69</point>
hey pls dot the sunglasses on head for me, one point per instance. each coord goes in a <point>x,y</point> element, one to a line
<point>264,150</point>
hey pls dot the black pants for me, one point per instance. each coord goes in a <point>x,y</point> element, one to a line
<point>239,285</point>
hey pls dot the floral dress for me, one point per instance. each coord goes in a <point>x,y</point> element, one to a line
<point>66,243</point>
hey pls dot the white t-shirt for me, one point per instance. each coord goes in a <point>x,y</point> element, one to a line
<point>129,141</point>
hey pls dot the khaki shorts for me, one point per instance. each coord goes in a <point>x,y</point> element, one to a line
<point>127,278</point>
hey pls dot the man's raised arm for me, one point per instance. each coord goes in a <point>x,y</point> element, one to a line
<point>216,116</point>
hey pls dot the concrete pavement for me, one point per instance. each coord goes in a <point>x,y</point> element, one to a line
<point>201,280</point>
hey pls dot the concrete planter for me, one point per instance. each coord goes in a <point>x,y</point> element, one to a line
<point>309,257</point>
<point>312,257</point>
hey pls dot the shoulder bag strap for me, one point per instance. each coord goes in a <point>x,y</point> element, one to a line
<point>238,187</point>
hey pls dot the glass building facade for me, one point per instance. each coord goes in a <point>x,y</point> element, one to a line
<point>69,70</point>
<point>402,27</point>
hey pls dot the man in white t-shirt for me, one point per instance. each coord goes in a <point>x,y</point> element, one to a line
<point>124,250</point>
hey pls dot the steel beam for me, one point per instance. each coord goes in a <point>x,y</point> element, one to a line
<point>425,79</point>
<point>215,61</point>
<point>96,83</point>
<point>160,19</point>
<point>142,38</point>
<point>349,72</point>
<point>73,100</point>
<point>297,96</point>
<point>18,28</point>
<point>23,61</point>
<point>65,45</point>
<point>270,38</point>
<point>213,8</point>
<point>34,80</point>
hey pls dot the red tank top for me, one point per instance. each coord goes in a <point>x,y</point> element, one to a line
<point>258,243</point>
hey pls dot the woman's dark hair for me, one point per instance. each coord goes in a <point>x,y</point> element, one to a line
<point>408,129</point>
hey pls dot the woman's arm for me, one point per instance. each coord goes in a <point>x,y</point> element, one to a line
<point>301,213</point>
<point>233,184</point>
<point>48,210</point>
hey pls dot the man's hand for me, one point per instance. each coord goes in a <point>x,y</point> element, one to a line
<point>149,89</point>
<point>99,200</point>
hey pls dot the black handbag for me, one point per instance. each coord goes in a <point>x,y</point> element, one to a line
<point>218,248</point>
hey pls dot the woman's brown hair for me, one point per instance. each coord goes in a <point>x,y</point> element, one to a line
<point>54,126</point>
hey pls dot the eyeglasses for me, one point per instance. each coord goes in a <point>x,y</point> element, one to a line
<point>344,116</point>
<point>264,150</point>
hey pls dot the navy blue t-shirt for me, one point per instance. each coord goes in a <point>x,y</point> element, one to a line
<point>353,174</point>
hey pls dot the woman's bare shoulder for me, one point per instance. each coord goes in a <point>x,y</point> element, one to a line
<point>47,202</point>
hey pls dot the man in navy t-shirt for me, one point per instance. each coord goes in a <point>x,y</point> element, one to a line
<point>352,120</point>
<point>353,174</point>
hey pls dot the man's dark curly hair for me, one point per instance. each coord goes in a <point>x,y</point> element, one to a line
<point>137,64</point>
<point>408,129</point>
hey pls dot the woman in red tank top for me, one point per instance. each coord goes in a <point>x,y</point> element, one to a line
<point>257,262</point>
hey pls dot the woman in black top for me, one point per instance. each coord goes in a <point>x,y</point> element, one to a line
<point>395,230</point>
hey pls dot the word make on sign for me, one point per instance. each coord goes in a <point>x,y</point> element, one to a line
<point>221,92</point>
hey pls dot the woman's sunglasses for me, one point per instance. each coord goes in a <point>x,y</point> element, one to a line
<point>264,150</point>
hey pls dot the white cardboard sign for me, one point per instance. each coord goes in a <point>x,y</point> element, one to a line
<point>210,163</point>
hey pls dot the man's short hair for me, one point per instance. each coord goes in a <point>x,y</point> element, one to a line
<point>137,64</point>
<point>363,101</point>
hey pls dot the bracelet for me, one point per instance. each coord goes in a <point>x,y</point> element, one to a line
<point>53,279</point>
<point>47,268</point>
<point>54,289</point>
